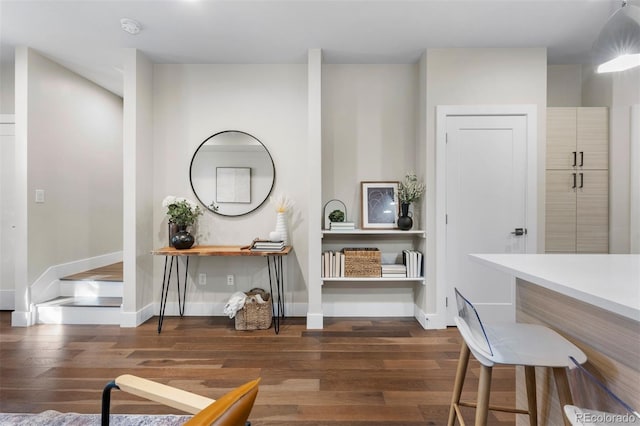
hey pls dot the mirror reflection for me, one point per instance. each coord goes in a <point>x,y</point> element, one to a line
<point>232,173</point>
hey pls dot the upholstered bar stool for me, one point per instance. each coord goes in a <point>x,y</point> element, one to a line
<point>528,345</point>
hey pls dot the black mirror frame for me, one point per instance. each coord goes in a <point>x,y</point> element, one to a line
<point>273,181</point>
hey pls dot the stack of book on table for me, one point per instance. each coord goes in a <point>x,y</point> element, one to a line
<point>394,271</point>
<point>266,245</point>
<point>343,226</point>
<point>413,261</point>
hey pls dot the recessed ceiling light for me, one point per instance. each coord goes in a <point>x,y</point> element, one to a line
<point>131,26</point>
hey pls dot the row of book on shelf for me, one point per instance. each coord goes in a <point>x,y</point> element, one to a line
<point>333,265</point>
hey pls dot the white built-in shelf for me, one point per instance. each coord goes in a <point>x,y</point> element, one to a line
<point>378,232</point>
<point>370,279</point>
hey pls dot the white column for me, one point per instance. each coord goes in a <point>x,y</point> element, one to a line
<point>314,164</point>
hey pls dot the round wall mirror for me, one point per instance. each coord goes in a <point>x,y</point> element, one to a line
<point>232,173</point>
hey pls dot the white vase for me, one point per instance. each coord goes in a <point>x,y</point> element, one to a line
<point>281,227</point>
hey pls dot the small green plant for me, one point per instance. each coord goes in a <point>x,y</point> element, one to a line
<point>410,190</point>
<point>336,216</point>
<point>181,211</point>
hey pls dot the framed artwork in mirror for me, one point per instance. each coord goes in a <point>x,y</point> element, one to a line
<point>379,204</point>
<point>233,184</point>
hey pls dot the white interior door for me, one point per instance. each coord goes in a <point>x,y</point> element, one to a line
<point>7,215</point>
<point>486,193</point>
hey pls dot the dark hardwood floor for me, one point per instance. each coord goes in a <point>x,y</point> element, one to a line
<point>354,372</point>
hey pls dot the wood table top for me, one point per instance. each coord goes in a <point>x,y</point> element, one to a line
<point>218,251</point>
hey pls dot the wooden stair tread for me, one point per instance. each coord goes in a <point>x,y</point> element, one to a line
<point>111,272</point>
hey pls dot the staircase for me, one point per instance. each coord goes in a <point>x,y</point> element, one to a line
<point>91,297</point>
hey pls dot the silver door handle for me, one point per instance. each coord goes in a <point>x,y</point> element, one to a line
<point>520,231</point>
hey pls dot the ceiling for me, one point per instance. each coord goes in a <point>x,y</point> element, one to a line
<point>85,36</point>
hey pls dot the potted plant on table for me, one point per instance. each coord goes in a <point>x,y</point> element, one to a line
<point>409,190</point>
<point>182,213</point>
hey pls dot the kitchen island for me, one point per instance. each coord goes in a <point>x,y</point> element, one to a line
<point>591,299</point>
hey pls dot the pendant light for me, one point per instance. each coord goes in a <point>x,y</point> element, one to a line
<point>617,47</point>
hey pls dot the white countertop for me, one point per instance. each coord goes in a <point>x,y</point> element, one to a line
<point>609,281</point>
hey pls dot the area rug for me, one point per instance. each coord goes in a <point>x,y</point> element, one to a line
<point>55,418</point>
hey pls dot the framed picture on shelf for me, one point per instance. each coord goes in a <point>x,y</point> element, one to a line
<point>379,205</point>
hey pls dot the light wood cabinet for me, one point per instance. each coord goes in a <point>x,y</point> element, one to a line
<point>577,138</point>
<point>577,180</point>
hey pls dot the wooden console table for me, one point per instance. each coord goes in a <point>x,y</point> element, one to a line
<point>274,264</point>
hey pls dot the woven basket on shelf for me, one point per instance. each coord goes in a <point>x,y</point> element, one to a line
<point>362,262</point>
<point>254,315</point>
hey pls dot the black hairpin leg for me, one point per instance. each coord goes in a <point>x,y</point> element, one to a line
<point>276,277</point>
<point>166,282</point>
<point>181,302</point>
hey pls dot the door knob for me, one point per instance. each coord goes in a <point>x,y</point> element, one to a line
<point>520,231</point>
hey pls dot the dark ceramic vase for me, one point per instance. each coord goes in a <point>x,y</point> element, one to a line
<point>173,230</point>
<point>182,239</point>
<point>404,220</point>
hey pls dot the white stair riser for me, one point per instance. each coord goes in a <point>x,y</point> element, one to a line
<point>78,315</point>
<point>91,288</point>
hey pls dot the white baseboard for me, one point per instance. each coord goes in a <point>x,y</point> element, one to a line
<point>7,300</point>
<point>205,309</point>
<point>434,322</point>
<point>134,319</point>
<point>368,309</point>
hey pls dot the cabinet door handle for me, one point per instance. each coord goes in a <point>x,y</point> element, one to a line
<point>575,155</point>
<point>581,158</point>
<point>581,180</point>
<point>574,181</point>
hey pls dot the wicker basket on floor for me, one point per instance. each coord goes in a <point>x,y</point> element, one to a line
<point>254,315</point>
<point>362,262</point>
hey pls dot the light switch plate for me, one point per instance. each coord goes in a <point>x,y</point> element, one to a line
<point>39,195</point>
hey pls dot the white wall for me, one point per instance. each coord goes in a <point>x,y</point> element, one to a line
<point>7,88</point>
<point>75,155</point>
<point>481,77</point>
<point>564,85</point>
<point>619,91</point>
<point>191,103</point>
<point>626,93</point>
<point>369,125</point>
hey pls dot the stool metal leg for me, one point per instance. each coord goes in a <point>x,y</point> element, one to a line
<point>532,404</point>
<point>461,372</point>
<point>484,390</point>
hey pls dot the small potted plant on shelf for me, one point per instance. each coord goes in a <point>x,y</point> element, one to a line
<point>409,190</point>
<point>336,216</point>
<point>182,213</point>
